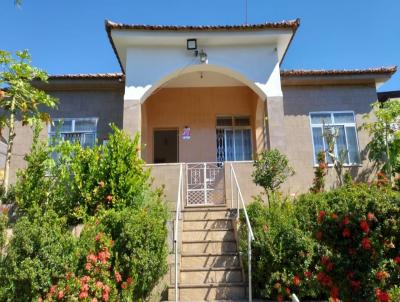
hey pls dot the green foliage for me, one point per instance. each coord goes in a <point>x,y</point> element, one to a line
<point>3,225</point>
<point>40,252</point>
<point>77,182</point>
<point>20,98</point>
<point>271,170</point>
<point>319,174</point>
<point>282,252</point>
<point>349,235</point>
<point>384,129</point>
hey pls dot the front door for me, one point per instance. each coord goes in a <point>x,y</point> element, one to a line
<point>165,146</point>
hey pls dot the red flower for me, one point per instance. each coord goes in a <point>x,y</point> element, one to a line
<point>334,293</point>
<point>129,280</point>
<point>364,226</point>
<point>350,275</point>
<point>53,289</point>
<point>325,260</point>
<point>68,275</point>
<point>307,274</point>
<point>109,198</point>
<point>99,284</point>
<point>366,243</point>
<point>279,298</point>
<point>330,267</point>
<point>88,266</point>
<point>95,300</point>
<point>382,275</point>
<point>346,233</point>
<point>382,296</point>
<point>287,289</point>
<point>355,284</point>
<point>105,296</point>
<point>370,216</point>
<point>318,235</point>
<point>98,237</point>
<point>92,258</point>
<point>40,299</point>
<point>60,295</point>
<point>334,216</point>
<point>118,277</point>
<point>321,216</point>
<point>83,295</point>
<point>296,280</point>
<point>346,220</point>
<point>397,260</point>
<point>124,285</point>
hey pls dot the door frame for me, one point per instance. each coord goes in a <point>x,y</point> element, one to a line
<point>166,129</point>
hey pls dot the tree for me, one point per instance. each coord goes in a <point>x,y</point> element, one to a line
<point>271,170</point>
<point>19,98</point>
<point>384,130</point>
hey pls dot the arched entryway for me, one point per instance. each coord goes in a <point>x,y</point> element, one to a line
<point>205,115</point>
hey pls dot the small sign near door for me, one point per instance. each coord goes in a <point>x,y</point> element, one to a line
<point>186,133</point>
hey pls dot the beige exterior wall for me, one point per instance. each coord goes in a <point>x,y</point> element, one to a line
<point>104,104</point>
<point>197,108</point>
<point>299,101</point>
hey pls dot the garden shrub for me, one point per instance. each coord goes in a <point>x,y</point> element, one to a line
<point>3,225</point>
<point>98,280</point>
<point>76,182</point>
<point>282,252</point>
<point>350,237</point>
<point>40,252</point>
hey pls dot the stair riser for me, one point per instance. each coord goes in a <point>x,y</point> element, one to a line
<point>205,277</point>
<point>208,235</point>
<point>207,225</point>
<point>210,247</point>
<point>198,215</point>
<point>210,261</point>
<point>208,294</point>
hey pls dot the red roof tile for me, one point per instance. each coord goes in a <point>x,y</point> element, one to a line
<point>339,72</point>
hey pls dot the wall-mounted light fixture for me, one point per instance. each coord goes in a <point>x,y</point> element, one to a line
<point>203,56</point>
<point>191,44</point>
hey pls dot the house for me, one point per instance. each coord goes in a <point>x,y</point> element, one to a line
<point>207,99</point>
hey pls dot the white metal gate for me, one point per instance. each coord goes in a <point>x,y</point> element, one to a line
<point>205,184</point>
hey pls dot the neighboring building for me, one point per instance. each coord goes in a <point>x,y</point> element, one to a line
<point>212,97</point>
<point>388,95</point>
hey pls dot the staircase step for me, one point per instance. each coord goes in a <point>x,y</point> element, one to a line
<point>209,260</point>
<point>209,292</point>
<point>208,235</point>
<point>209,246</point>
<point>207,213</point>
<point>211,275</point>
<point>208,224</point>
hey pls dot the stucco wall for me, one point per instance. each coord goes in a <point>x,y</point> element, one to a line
<point>175,108</point>
<point>106,105</point>
<point>299,101</point>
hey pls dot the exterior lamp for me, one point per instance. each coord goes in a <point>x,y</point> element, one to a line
<point>191,44</point>
<point>203,56</point>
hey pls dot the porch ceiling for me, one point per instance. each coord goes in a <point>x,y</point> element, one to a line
<point>203,79</point>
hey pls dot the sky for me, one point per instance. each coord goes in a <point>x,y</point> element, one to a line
<point>68,36</point>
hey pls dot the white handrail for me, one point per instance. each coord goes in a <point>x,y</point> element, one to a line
<point>176,228</point>
<point>250,235</point>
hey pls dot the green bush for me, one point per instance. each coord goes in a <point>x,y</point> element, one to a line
<point>271,170</point>
<point>282,252</point>
<point>3,225</point>
<point>40,252</point>
<point>350,237</point>
<point>77,182</point>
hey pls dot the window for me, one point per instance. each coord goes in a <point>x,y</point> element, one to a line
<point>233,138</point>
<point>343,123</point>
<point>78,129</point>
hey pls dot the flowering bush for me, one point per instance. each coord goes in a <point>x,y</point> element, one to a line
<point>343,244</point>
<point>97,281</point>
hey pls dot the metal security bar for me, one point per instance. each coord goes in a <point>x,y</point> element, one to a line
<point>205,184</point>
<point>240,205</point>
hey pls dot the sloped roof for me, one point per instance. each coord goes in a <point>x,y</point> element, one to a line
<point>339,72</point>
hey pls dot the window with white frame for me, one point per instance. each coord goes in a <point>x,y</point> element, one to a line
<point>83,130</point>
<point>233,138</point>
<point>346,142</point>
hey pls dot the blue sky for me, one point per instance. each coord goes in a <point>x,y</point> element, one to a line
<point>68,36</point>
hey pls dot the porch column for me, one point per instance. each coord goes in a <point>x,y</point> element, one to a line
<point>275,122</point>
<point>260,131</point>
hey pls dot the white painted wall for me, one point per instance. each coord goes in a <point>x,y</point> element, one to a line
<point>148,68</point>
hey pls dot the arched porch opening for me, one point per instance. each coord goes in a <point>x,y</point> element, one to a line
<point>224,112</point>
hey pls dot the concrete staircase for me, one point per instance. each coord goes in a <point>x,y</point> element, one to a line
<point>210,266</point>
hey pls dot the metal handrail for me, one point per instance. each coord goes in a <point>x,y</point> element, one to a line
<point>176,228</point>
<point>250,235</point>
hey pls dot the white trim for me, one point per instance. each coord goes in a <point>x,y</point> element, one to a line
<point>333,123</point>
